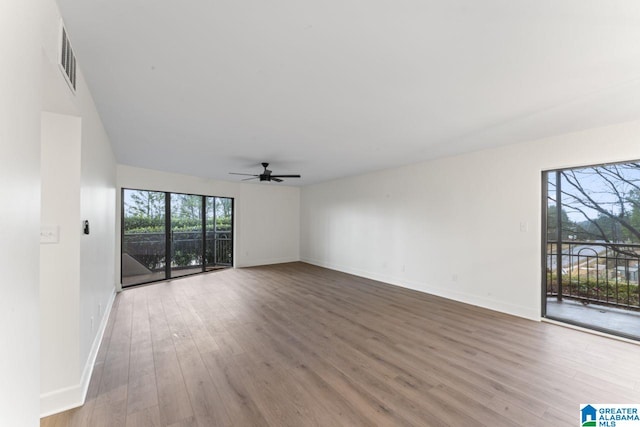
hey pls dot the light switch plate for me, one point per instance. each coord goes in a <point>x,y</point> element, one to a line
<point>49,234</point>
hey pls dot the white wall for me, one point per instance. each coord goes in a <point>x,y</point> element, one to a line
<point>78,274</point>
<point>268,224</point>
<point>97,250</point>
<point>452,227</point>
<point>59,262</point>
<point>267,216</point>
<point>20,86</point>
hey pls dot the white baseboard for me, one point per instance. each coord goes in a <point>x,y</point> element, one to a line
<point>71,397</point>
<point>491,304</point>
<point>60,400</point>
<point>266,261</point>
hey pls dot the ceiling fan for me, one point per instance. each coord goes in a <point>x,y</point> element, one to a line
<point>265,175</point>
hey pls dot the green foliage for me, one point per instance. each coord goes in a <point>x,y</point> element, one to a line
<point>135,225</point>
<point>149,224</point>
<point>568,226</point>
<point>634,216</point>
<point>149,204</point>
<point>185,258</point>
<point>597,289</point>
<point>186,206</point>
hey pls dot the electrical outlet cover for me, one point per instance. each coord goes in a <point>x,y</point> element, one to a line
<point>49,234</point>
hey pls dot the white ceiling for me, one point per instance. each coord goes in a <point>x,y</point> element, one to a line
<point>335,88</point>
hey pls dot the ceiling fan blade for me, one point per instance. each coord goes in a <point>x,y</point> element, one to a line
<point>266,175</point>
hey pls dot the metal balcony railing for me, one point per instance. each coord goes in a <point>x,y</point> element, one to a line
<point>594,272</point>
<point>186,249</point>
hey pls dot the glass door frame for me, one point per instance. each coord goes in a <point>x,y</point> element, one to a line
<point>169,235</point>
<point>175,269</point>
<point>547,253</point>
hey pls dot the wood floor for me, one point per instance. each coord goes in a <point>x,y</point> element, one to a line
<point>298,345</point>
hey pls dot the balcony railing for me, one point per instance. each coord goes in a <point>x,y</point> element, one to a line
<point>149,249</point>
<point>594,272</point>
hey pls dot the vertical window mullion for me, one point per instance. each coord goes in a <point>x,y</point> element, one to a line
<point>233,237</point>
<point>203,214</point>
<point>169,235</point>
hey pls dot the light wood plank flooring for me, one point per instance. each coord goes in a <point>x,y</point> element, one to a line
<point>298,345</point>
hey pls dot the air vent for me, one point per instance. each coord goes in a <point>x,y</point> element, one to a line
<point>68,60</point>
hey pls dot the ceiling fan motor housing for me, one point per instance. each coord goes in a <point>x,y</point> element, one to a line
<point>266,175</point>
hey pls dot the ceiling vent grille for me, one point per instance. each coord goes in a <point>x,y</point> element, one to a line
<point>68,60</point>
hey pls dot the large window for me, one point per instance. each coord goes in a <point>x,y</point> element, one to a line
<point>592,247</point>
<point>167,235</point>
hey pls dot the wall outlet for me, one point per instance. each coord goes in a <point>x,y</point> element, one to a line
<point>454,277</point>
<point>49,234</point>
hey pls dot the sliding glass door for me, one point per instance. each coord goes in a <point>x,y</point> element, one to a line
<point>144,236</point>
<point>592,247</point>
<point>186,234</point>
<point>168,235</point>
<point>219,232</point>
